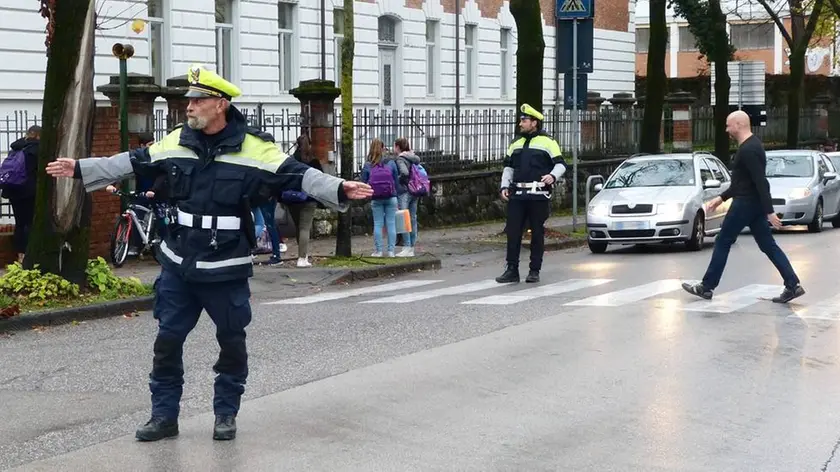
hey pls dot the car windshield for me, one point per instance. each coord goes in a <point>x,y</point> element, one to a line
<point>836,161</point>
<point>789,165</point>
<point>653,173</point>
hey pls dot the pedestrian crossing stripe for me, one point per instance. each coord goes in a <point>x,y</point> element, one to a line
<point>573,6</point>
<point>723,302</point>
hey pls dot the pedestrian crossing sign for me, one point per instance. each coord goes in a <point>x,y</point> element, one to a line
<point>574,9</point>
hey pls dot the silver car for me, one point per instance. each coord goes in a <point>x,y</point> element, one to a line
<point>804,187</point>
<point>658,198</point>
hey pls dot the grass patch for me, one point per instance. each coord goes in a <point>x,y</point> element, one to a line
<point>356,262</point>
<point>25,291</point>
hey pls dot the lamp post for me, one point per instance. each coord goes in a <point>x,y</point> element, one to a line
<point>123,52</point>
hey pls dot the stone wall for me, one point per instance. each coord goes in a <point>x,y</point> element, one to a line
<point>457,198</point>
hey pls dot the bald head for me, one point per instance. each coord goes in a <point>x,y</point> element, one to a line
<point>738,126</point>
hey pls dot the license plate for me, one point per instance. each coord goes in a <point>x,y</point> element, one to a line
<point>620,225</point>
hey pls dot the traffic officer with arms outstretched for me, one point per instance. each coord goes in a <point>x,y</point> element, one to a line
<point>532,166</point>
<point>217,169</point>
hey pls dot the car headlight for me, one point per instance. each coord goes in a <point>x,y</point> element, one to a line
<point>669,208</point>
<point>799,193</point>
<point>598,210</point>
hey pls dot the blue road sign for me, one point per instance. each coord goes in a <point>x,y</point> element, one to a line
<point>585,45</point>
<point>568,88</point>
<point>574,9</point>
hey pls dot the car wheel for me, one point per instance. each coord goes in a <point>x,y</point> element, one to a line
<point>597,247</point>
<point>817,224</point>
<point>698,233</point>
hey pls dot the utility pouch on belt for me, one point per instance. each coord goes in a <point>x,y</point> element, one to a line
<point>248,221</point>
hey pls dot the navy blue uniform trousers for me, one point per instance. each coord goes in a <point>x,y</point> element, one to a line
<point>178,305</point>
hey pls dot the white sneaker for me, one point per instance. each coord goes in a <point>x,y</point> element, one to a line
<point>304,262</point>
<point>406,252</point>
<point>376,254</point>
<point>283,247</point>
<point>390,254</point>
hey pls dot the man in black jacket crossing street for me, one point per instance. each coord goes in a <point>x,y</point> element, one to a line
<point>751,206</point>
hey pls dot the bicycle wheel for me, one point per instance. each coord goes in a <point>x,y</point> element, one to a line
<point>120,240</point>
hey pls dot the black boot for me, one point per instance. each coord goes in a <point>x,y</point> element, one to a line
<point>225,428</point>
<point>533,277</point>
<point>510,275</point>
<point>157,428</point>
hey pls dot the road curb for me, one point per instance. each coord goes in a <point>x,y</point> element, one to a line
<point>559,245</point>
<point>355,275</point>
<point>60,316</point>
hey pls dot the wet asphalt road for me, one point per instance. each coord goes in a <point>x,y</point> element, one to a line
<point>607,366</point>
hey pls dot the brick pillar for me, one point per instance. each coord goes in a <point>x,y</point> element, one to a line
<point>106,142</point>
<point>176,102</point>
<point>820,103</point>
<point>317,103</point>
<point>623,102</point>
<point>589,123</point>
<point>681,103</point>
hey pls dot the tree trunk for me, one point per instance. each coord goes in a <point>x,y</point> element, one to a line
<point>344,233</point>
<point>59,241</point>
<point>529,53</point>
<point>721,109</point>
<point>656,79</point>
<point>797,79</point>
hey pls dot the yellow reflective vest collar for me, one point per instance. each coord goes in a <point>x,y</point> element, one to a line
<point>256,153</point>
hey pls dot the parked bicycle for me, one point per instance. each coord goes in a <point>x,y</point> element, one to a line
<point>129,224</point>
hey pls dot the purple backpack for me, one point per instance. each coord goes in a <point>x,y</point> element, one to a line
<point>13,169</point>
<point>381,181</point>
<point>418,181</point>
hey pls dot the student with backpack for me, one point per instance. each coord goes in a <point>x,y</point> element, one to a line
<point>413,184</point>
<point>17,180</point>
<point>383,177</point>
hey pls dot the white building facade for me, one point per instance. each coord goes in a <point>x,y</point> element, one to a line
<point>404,55</point>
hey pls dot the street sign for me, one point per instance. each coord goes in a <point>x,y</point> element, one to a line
<point>568,87</point>
<point>574,9</point>
<point>585,45</point>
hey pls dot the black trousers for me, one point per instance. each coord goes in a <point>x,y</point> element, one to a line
<point>522,212</point>
<point>24,212</point>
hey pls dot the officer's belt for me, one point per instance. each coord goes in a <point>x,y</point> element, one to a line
<point>209,222</point>
<point>532,186</point>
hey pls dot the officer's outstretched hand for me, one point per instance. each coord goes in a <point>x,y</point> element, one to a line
<point>62,167</point>
<point>357,190</point>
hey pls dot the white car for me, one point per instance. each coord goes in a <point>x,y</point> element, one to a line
<point>658,198</point>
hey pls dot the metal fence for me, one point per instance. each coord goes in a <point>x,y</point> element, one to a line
<point>476,138</point>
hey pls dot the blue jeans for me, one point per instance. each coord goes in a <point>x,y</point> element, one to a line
<point>743,212</point>
<point>259,222</point>
<point>267,211</point>
<point>409,201</point>
<point>384,211</point>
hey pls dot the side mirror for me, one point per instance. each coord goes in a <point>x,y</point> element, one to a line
<point>711,183</point>
<point>598,187</point>
<point>830,176</point>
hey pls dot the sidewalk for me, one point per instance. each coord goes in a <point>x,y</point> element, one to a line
<point>445,243</point>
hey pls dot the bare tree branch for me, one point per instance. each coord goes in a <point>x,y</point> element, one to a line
<point>778,21</point>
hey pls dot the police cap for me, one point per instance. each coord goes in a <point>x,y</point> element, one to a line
<point>530,112</point>
<point>206,83</point>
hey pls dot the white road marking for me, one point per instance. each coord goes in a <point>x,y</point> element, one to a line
<point>736,299</point>
<point>339,294</point>
<point>455,290</point>
<point>537,292</point>
<point>828,309</point>
<point>630,295</point>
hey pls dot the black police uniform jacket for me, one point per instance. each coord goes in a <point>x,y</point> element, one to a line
<point>528,158</point>
<point>221,175</point>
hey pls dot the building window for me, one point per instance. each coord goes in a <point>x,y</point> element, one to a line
<point>470,56</point>
<point>752,36</point>
<point>504,56</point>
<point>224,38</point>
<point>642,40</point>
<point>388,61</point>
<point>285,26</point>
<point>688,42</point>
<point>338,35</point>
<point>157,63</point>
<point>431,57</point>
